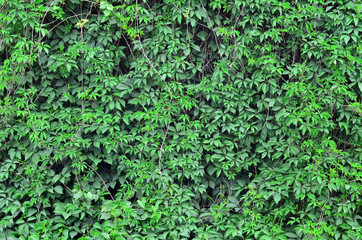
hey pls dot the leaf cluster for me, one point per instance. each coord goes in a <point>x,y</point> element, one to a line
<point>180,119</point>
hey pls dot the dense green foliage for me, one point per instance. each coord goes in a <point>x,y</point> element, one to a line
<point>180,119</point>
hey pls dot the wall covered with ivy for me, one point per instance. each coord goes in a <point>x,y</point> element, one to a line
<point>180,119</point>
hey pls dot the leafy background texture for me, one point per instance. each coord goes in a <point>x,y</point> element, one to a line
<point>180,119</point>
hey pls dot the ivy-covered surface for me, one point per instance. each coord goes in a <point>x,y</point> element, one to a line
<point>180,119</point>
